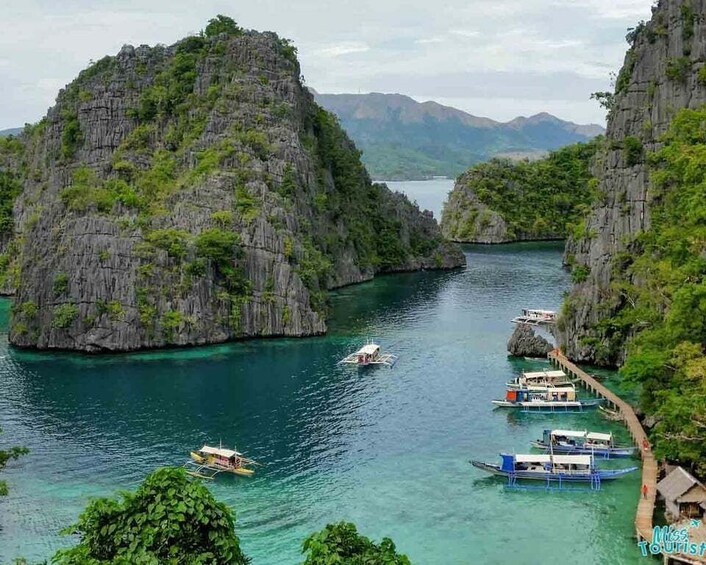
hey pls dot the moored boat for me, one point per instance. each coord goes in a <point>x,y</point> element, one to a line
<point>551,469</point>
<point>583,442</point>
<point>535,317</point>
<point>369,354</point>
<point>209,461</point>
<point>538,405</point>
<point>546,399</point>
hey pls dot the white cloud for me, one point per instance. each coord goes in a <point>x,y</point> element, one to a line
<point>465,32</point>
<point>393,45</point>
<point>429,40</point>
<point>345,48</point>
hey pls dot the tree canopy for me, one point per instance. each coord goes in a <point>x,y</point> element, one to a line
<point>537,199</point>
<point>341,543</point>
<point>221,24</point>
<point>5,456</point>
<point>170,519</point>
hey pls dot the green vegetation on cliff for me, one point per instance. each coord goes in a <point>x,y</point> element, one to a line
<point>503,200</point>
<point>659,293</point>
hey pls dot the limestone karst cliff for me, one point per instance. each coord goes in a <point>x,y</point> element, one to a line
<point>193,194</point>
<point>663,72</point>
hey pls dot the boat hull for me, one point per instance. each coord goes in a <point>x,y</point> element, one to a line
<point>550,406</point>
<point>581,450</point>
<point>545,476</point>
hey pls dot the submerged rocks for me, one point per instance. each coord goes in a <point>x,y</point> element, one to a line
<point>526,343</point>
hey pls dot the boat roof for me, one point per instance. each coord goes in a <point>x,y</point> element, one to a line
<point>573,459</point>
<point>599,435</point>
<point>369,348</point>
<point>569,433</point>
<point>547,458</point>
<point>228,453</point>
<point>538,311</point>
<point>544,374</point>
<point>533,458</point>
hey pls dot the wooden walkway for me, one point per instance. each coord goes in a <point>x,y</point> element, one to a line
<point>645,507</point>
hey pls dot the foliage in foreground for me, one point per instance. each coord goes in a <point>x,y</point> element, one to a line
<point>5,456</point>
<point>169,519</point>
<point>660,297</point>
<point>537,199</point>
<point>341,543</point>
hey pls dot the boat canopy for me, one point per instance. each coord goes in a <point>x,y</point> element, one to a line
<point>537,312</point>
<point>369,349</point>
<point>569,433</point>
<point>599,436</point>
<point>544,374</point>
<point>533,458</point>
<point>227,453</point>
<point>572,459</point>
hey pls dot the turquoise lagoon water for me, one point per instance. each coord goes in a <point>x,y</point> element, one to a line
<point>386,449</point>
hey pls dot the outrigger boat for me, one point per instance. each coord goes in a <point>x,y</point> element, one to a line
<point>582,442</point>
<point>546,399</point>
<point>369,354</point>
<point>535,317</point>
<point>551,469</point>
<point>541,379</point>
<point>208,462</point>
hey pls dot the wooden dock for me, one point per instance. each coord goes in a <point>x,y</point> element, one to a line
<point>646,504</point>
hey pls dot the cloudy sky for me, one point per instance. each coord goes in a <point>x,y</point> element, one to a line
<point>494,58</point>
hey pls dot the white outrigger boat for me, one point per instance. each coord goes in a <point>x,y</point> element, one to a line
<point>548,379</point>
<point>209,461</point>
<point>369,354</point>
<point>582,442</point>
<point>535,317</point>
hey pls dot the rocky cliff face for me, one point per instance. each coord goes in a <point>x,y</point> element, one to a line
<point>193,194</point>
<point>663,72</point>
<point>466,219</point>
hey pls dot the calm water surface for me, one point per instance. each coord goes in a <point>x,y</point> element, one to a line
<point>386,449</point>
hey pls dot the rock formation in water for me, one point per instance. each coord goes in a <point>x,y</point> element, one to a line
<point>663,72</point>
<point>193,194</point>
<point>524,342</point>
<point>502,201</point>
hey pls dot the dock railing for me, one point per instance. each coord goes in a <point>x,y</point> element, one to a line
<point>646,504</point>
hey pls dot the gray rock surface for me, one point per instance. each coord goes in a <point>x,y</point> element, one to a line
<point>524,342</point>
<point>653,92</point>
<point>242,151</point>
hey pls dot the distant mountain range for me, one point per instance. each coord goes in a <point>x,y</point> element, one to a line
<point>11,131</point>
<point>405,139</point>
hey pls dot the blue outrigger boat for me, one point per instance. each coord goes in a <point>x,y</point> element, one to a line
<point>553,470</point>
<point>582,443</point>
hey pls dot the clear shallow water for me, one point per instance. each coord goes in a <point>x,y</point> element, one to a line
<point>387,449</point>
